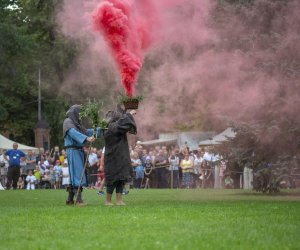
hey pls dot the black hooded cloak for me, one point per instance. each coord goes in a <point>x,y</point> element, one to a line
<point>117,162</point>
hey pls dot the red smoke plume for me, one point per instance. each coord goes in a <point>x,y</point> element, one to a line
<point>126,33</point>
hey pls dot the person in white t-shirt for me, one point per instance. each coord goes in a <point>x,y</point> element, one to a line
<point>30,180</point>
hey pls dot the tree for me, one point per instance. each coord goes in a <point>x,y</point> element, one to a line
<point>29,43</point>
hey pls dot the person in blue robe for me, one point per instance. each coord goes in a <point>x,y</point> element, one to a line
<point>75,137</point>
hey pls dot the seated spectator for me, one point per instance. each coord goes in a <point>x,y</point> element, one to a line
<point>46,180</point>
<point>20,183</point>
<point>30,180</point>
<point>228,182</point>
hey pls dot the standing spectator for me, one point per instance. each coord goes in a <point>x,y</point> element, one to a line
<point>138,169</point>
<point>174,169</point>
<point>3,168</point>
<point>207,180</point>
<point>222,172</point>
<point>55,156</point>
<point>148,170</point>
<point>42,167</point>
<point>58,174</point>
<point>37,176</point>
<point>197,168</point>
<point>161,161</point>
<point>23,170</point>
<point>47,160</point>
<point>144,156</point>
<point>30,161</point>
<point>30,179</point>
<point>15,157</point>
<point>187,171</point>
<point>41,156</point>
<point>62,156</point>
<point>248,178</point>
<point>52,176</point>
<point>65,176</point>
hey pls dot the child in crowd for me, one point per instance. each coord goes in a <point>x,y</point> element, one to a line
<point>20,184</point>
<point>46,179</point>
<point>52,177</point>
<point>147,171</point>
<point>37,175</point>
<point>65,175</point>
<point>30,179</point>
<point>58,174</point>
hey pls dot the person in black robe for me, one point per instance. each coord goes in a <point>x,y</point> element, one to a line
<point>117,162</point>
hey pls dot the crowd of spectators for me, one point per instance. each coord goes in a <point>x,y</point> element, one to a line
<point>47,169</point>
<point>155,167</point>
<point>163,167</point>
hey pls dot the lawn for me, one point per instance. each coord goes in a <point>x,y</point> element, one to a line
<point>152,219</point>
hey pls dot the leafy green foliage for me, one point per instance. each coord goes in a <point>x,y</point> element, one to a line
<point>124,98</point>
<point>91,110</point>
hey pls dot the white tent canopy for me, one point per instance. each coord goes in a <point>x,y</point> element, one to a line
<point>5,143</point>
<point>224,136</point>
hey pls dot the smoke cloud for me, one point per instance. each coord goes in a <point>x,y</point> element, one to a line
<point>208,63</point>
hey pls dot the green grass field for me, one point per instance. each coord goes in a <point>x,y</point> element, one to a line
<point>152,219</point>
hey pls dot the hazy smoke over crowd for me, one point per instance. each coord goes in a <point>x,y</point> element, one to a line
<point>208,63</point>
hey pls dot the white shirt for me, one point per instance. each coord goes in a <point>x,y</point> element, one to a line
<point>208,157</point>
<point>3,160</point>
<point>30,182</point>
<point>93,159</point>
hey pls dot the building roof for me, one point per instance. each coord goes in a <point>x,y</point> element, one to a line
<point>219,138</point>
